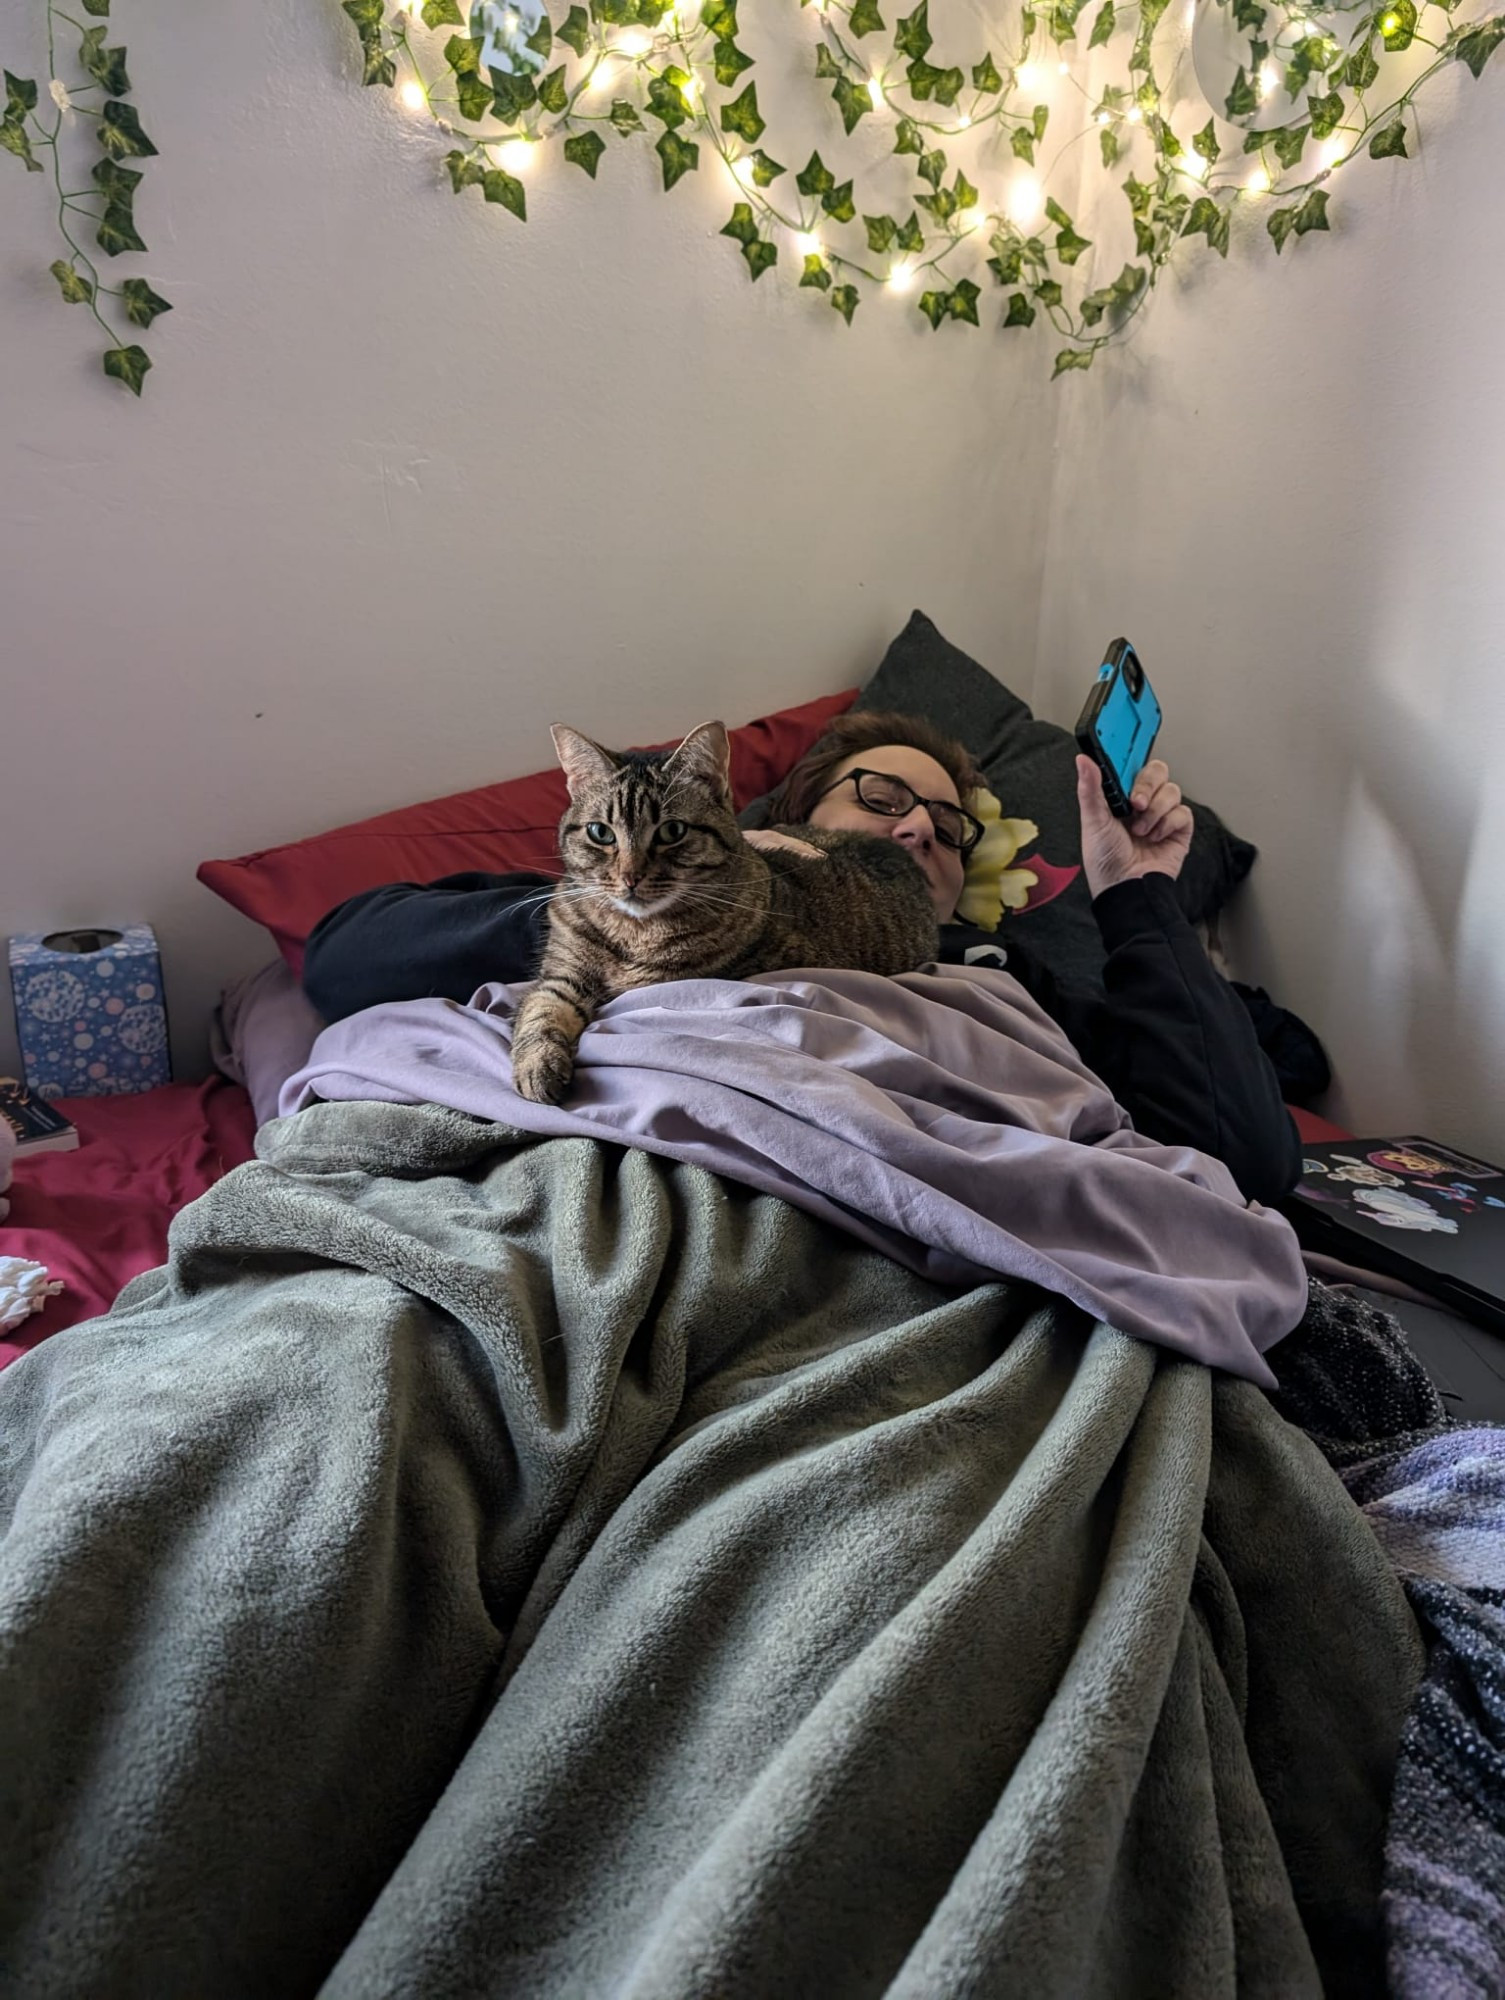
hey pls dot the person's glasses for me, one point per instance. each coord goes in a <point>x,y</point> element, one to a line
<point>878,792</point>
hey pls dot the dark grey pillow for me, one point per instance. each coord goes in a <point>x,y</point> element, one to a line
<point>1031,767</point>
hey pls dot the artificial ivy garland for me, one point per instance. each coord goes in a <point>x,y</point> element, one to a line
<point>97,104</point>
<point>625,67</point>
<point>510,78</point>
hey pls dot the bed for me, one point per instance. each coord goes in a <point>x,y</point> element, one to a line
<point>474,1561</point>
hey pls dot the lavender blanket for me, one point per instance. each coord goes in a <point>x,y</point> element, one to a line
<point>941,1117</point>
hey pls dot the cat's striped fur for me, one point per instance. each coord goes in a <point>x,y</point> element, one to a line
<point>659,884</point>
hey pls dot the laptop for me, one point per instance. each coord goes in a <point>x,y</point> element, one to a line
<point>1413,1209</point>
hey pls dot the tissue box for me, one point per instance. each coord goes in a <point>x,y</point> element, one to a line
<point>90,1015</point>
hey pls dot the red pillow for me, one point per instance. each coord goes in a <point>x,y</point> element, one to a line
<point>494,828</point>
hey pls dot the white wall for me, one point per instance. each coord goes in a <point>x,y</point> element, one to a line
<point>410,481</point>
<point>1289,492</point>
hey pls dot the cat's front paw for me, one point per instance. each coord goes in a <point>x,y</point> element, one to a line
<point>541,1072</point>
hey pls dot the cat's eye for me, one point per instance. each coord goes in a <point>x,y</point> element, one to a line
<point>671,832</point>
<point>598,831</point>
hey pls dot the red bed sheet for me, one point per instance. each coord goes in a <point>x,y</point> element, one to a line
<point>97,1217</point>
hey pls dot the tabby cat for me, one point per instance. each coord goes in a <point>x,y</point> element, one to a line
<point>659,884</point>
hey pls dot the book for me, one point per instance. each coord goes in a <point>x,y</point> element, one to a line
<point>1414,1209</point>
<point>39,1127</point>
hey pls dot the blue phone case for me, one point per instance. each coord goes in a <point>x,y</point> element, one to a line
<point>1119,723</point>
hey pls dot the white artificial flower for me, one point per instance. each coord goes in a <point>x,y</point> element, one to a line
<point>58,91</point>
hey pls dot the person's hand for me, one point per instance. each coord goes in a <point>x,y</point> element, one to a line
<point>1155,841</point>
<point>765,838</point>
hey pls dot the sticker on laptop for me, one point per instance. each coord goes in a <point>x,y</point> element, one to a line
<point>1424,1159</point>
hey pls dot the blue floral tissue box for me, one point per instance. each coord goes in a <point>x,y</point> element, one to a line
<point>90,1014</point>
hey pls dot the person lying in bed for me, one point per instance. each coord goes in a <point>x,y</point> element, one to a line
<point>1168,1036</point>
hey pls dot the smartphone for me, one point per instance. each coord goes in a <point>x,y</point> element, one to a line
<point>1119,723</point>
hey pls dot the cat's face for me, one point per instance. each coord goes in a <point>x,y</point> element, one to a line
<point>647,829</point>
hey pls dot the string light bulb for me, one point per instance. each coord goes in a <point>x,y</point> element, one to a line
<point>1063,68</point>
<point>1104,118</point>
<point>963,122</point>
<point>744,169</point>
<point>601,76</point>
<point>875,93</point>
<point>635,42</point>
<point>1389,24</point>
<point>1331,153</point>
<point>807,243</point>
<point>1027,75</point>
<point>1134,114</point>
<point>901,278</point>
<point>1026,202</point>
<point>516,155</point>
<point>413,95</point>
<point>1196,166</point>
<point>1259,181</point>
<point>1269,77</point>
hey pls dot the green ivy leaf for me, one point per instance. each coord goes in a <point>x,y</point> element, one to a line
<point>1397,25</point>
<point>761,256</point>
<point>1391,143</point>
<point>881,231</point>
<point>625,117</point>
<point>1049,292</point>
<point>817,177</point>
<point>1103,26</point>
<point>366,14</point>
<point>442,14</point>
<point>1020,312</point>
<point>464,56</point>
<point>743,227</point>
<point>1007,264</point>
<point>838,203</point>
<point>962,188</point>
<point>552,93</point>
<point>1248,15</point>
<point>1327,114</point>
<point>1360,70</point>
<point>1069,245</point>
<point>741,116</point>
<point>865,19</point>
<point>679,157</point>
<point>117,231</point>
<point>1243,100</point>
<point>500,186</point>
<point>1144,237</point>
<point>720,18</point>
<point>1478,44</point>
<point>730,62</point>
<point>465,170</point>
<point>935,306</point>
<point>666,97</point>
<point>826,64</point>
<point>118,184</point>
<point>963,302</point>
<point>106,66</point>
<point>1210,219</point>
<point>852,101</point>
<point>765,170</point>
<point>576,31</point>
<point>1109,145</point>
<point>512,95</point>
<point>76,289</point>
<point>1288,142</point>
<point>908,137</point>
<point>97,7</point>
<point>985,75</point>
<point>13,139</point>
<point>816,274</point>
<point>911,238</point>
<point>932,167</point>
<point>20,96</point>
<point>121,135</point>
<point>845,300</point>
<point>128,365</point>
<point>942,204</point>
<point>1280,224</point>
<point>1022,140</point>
<point>912,36</point>
<point>1312,213</point>
<point>948,86</point>
<point>541,41</point>
<point>1140,195</point>
<point>1206,143</point>
<point>473,95</point>
<point>1069,358</point>
<point>142,304</point>
<point>923,78</point>
<point>584,149</point>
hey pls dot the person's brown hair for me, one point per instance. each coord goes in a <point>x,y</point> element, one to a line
<point>867,729</point>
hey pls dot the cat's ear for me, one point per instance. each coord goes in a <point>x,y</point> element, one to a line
<point>583,762</point>
<point>705,755</point>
